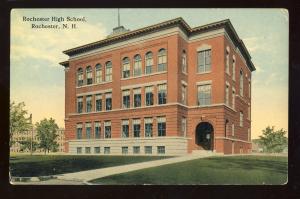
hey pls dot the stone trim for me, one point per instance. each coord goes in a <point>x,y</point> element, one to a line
<point>232,139</point>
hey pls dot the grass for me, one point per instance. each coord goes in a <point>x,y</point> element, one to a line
<point>44,165</point>
<point>246,170</point>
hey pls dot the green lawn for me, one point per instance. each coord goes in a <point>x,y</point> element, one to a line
<point>244,170</point>
<point>44,165</point>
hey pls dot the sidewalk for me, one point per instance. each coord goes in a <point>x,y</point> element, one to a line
<point>86,176</point>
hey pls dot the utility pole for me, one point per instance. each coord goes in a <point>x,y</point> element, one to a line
<point>31,134</point>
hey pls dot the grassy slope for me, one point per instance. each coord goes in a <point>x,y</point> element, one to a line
<point>43,165</point>
<point>214,170</point>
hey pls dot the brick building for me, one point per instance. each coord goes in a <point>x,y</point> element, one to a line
<point>163,89</point>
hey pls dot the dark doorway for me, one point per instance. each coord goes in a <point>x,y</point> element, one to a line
<point>204,135</point>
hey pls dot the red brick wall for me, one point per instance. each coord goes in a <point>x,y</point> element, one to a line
<point>174,45</point>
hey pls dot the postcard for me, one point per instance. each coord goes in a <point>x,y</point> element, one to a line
<point>149,96</point>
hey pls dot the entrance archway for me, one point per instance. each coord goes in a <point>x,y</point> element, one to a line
<point>204,135</point>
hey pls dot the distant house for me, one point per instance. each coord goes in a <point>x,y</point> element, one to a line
<point>19,137</point>
<point>256,147</point>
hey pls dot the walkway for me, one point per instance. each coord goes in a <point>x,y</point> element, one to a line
<point>86,176</point>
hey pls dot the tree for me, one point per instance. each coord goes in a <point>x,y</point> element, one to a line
<point>26,144</point>
<point>18,120</point>
<point>47,133</point>
<point>273,141</point>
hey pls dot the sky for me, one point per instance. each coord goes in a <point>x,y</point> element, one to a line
<point>37,79</point>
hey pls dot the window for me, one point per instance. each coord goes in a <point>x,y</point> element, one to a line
<point>88,103</point>
<point>227,95</point>
<point>249,135</point>
<point>107,129</point>
<point>125,128</point>
<point>204,61</point>
<point>79,104</point>
<point>79,131</point>
<point>233,68</point>
<point>241,83</point>
<point>96,149</point>
<point>125,150</point>
<point>233,99</point>
<point>249,89</point>
<point>97,130</point>
<point>162,60</point>
<point>126,98</point>
<point>162,94</point>
<point>232,129</point>
<point>161,126</point>
<point>148,149</point>
<point>106,150</point>
<point>183,94</point>
<point>79,77</point>
<point>79,150</point>
<point>137,67</point>
<point>161,149</point>
<point>88,130</point>
<point>136,127</point>
<point>204,94</point>
<point>89,75</point>
<point>98,74</point>
<point>98,102</point>
<point>226,127</point>
<point>126,67</point>
<point>149,62</point>
<point>241,119</point>
<point>183,126</point>
<point>183,67</point>
<point>249,111</point>
<point>108,101</point>
<point>148,127</point>
<point>136,149</point>
<point>227,60</point>
<point>149,95</point>
<point>137,97</point>
<point>108,71</point>
<point>87,150</point>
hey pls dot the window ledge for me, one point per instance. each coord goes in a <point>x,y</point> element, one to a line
<point>200,73</point>
<point>93,84</point>
<point>144,75</point>
<point>184,73</point>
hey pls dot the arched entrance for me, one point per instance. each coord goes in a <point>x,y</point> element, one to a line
<point>204,135</point>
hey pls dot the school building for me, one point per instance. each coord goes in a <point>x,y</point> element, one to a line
<point>165,89</point>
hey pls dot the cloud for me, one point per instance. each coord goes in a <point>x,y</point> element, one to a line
<point>47,44</point>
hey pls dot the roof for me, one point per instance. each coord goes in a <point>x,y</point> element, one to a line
<point>179,22</point>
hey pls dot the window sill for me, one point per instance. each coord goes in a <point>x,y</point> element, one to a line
<point>144,75</point>
<point>185,73</point>
<point>201,73</point>
<point>93,84</point>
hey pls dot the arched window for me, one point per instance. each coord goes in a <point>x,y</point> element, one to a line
<point>98,73</point>
<point>162,60</point>
<point>79,77</point>
<point>233,67</point>
<point>126,67</point>
<point>108,71</point>
<point>241,83</point>
<point>227,59</point>
<point>89,75</point>
<point>137,67</point>
<point>149,62</point>
<point>183,67</point>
